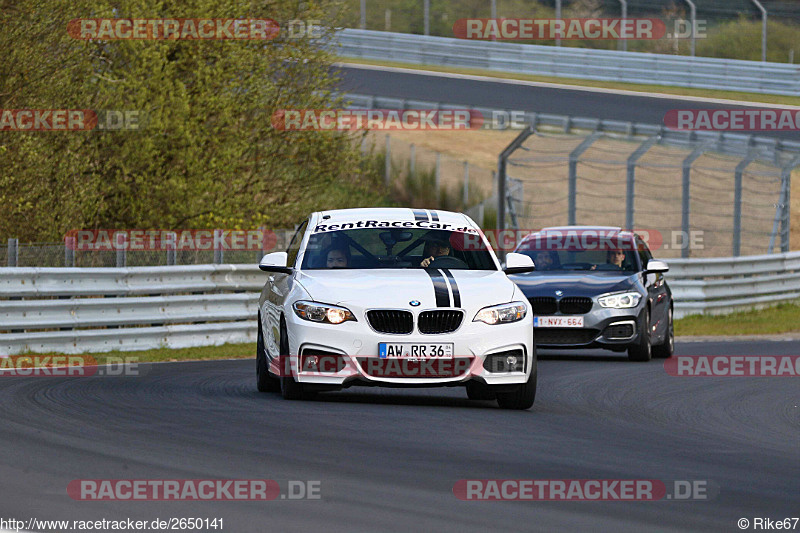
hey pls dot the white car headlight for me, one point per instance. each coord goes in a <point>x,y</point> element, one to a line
<point>314,312</point>
<point>502,314</point>
<point>621,300</point>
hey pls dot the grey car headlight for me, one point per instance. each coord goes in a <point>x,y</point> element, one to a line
<point>331,314</point>
<point>620,300</point>
<point>502,314</point>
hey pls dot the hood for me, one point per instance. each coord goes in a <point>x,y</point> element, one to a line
<point>575,283</point>
<point>390,288</point>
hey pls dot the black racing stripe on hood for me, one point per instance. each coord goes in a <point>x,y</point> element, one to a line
<point>439,288</point>
<point>453,287</point>
<point>420,214</point>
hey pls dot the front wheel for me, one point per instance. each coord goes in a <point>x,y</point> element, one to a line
<point>642,351</point>
<point>290,389</point>
<point>521,398</point>
<point>265,382</point>
<point>667,348</point>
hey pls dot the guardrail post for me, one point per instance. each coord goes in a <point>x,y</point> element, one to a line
<point>573,173</point>
<point>737,203</point>
<point>121,244</point>
<point>686,193</point>
<point>13,252</point>
<point>631,185</point>
<point>387,171</point>
<point>69,252</point>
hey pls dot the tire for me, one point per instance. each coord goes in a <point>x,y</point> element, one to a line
<point>642,351</point>
<point>265,381</point>
<point>667,348</point>
<point>480,392</point>
<point>523,397</point>
<point>290,389</point>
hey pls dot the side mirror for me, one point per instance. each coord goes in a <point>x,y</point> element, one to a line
<point>275,262</point>
<point>518,264</point>
<point>654,266</point>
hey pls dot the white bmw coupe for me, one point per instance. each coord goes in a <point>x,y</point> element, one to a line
<point>395,297</point>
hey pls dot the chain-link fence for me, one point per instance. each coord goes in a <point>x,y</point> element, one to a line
<point>67,254</point>
<point>693,199</point>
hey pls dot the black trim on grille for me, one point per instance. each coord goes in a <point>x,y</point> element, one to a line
<point>575,305</point>
<point>543,305</point>
<point>431,322</point>
<point>391,321</point>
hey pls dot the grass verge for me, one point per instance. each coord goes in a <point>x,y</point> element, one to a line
<point>782,318</point>
<point>663,89</point>
<point>160,355</point>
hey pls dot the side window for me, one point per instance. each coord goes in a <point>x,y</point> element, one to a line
<point>644,253</point>
<point>294,245</point>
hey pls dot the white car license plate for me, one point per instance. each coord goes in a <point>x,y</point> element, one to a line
<point>412,350</point>
<point>558,321</point>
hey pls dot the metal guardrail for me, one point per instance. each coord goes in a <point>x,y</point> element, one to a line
<point>72,311</point>
<point>79,310</point>
<point>580,63</point>
<point>724,285</point>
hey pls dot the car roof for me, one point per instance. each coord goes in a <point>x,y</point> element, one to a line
<point>339,216</point>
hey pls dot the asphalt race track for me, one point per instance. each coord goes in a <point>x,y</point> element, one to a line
<point>503,95</point>
<point>387,459</point>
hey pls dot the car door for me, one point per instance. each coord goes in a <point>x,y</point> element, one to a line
<point>656,292</point>
<point>277,289</point>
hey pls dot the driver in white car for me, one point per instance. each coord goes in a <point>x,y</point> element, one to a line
<point>434,249</point>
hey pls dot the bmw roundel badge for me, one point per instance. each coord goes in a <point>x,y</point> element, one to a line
<point>414,303</point>
<point>559,293</point>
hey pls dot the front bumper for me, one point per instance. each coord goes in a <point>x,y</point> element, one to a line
<point>357,344</point>
<point>602,328</point>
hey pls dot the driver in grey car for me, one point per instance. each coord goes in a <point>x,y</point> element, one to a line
<point>434,249</point>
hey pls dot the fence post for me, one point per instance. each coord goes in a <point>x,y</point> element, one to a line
<point>466,184</point>
<point>412,160</point>
<point>121,244</point>
<point>170,245</point>
<point>438,175</point>
<point>686,192</point>
<point>427,16</point>
<point>13,252</point>
<point>786,186</point>
<point>69,252</point>
<point>387,171</point>
<point>219,253</point>
<point>573,173</point>
<point>631,186</point>
<point>502,165</point>
<point>737,203</point>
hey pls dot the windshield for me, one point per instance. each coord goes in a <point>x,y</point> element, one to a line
<point>598,259</point>
<point>371,248</point>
